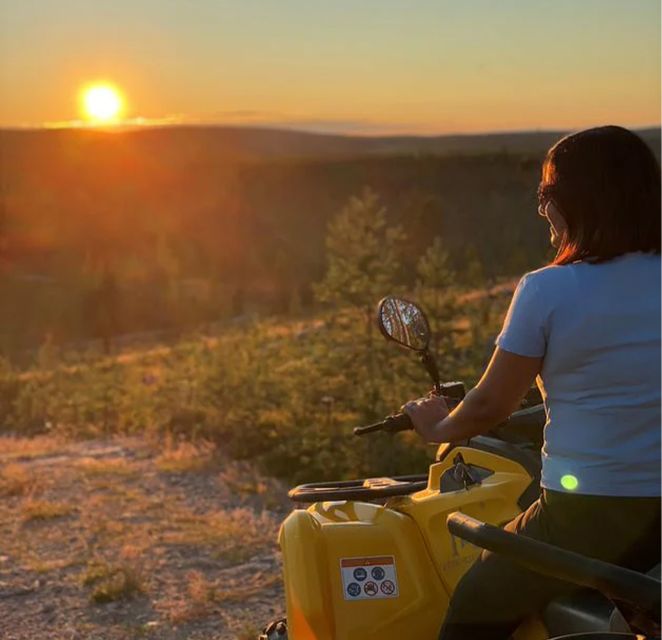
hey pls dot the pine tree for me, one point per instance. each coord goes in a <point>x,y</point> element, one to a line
<point>362,255</point>
<point>363,261</point>
<point>474,272</point>
<point>436,292</point>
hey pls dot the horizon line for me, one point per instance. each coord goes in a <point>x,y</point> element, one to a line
<point>137,124</point>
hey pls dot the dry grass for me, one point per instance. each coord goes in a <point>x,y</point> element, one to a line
<point>240,591</point>
<point>243,480</point>
<point>112,582</point>
<point>247,631</point>
<point>203,596</point>
<point>102,529</point>
<point>44,510</point>
<point>182,457</point>
<point>234,534</point>
<point>113,466</point>
<point>199,602</point>
<point>45,566</point>
<point>12,448</point>
<point>16,480</point>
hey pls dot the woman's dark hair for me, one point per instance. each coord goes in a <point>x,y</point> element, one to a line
<point>606,184</point>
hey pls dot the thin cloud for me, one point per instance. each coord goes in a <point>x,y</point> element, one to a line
<point>247,118</point>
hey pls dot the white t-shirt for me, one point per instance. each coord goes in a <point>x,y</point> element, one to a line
<point>597,326</point>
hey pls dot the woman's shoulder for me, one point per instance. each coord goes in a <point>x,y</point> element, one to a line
<point>577,276</point>
<point>549,276</point>
<point>548,287</point>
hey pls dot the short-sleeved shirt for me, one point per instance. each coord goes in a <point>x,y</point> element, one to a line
<point>597,328</point>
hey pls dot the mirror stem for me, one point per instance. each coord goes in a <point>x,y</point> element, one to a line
<point>430,365</point>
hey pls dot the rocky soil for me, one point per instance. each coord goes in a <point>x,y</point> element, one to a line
<point>121,539</point>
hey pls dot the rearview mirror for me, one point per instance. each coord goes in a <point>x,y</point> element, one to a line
<point>403,322</point>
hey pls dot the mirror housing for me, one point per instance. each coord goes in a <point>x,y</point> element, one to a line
<point>403,322</point>
<point>406,324</point>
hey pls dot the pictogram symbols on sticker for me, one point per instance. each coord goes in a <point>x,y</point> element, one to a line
<point>387,587</point>
<point>369,578</point>
<point>377,573</point>
<point>360,574</point>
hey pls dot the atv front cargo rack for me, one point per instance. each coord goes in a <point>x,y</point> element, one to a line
<point>367,489</point>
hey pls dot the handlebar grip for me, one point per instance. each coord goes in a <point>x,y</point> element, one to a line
<point>392,424</point>
<point>398,422</point>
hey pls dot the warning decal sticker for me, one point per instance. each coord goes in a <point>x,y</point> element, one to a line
<point>369,578</point>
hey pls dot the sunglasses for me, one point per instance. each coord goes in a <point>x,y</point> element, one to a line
<point>545,196</point>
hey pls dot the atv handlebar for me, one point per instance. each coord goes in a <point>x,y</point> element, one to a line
<point>392,424</point>
<point>452,392</point>
<point>520,426</point>
<point>531,417</point>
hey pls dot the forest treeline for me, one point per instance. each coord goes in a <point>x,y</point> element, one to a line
<point>109,233</point>
<point>281,392</point>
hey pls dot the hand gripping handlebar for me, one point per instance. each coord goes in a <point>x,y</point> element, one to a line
<point>453,392</point>
<point>392,424</point>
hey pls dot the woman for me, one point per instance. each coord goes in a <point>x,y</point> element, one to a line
<point>588,327</point>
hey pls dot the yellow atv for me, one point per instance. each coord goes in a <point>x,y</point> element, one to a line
<point>374,558</point>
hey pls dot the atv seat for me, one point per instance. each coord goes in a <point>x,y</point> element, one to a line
<point>580,612</point>
<point>524,426</point>
<point>586,610</point>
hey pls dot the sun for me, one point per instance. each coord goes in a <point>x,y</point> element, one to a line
<point>102,103</point>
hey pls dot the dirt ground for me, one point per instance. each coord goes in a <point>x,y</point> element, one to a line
<point>123,539</point>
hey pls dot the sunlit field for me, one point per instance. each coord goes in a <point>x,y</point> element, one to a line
<point>142,491</point>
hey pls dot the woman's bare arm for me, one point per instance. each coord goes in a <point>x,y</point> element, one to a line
<point>505,382</point>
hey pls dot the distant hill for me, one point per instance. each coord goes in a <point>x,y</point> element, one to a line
<point>249,143</point>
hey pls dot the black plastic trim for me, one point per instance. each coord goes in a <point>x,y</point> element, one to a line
<point>530,462</point>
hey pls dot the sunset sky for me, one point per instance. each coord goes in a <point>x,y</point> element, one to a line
<point>357,66</point>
